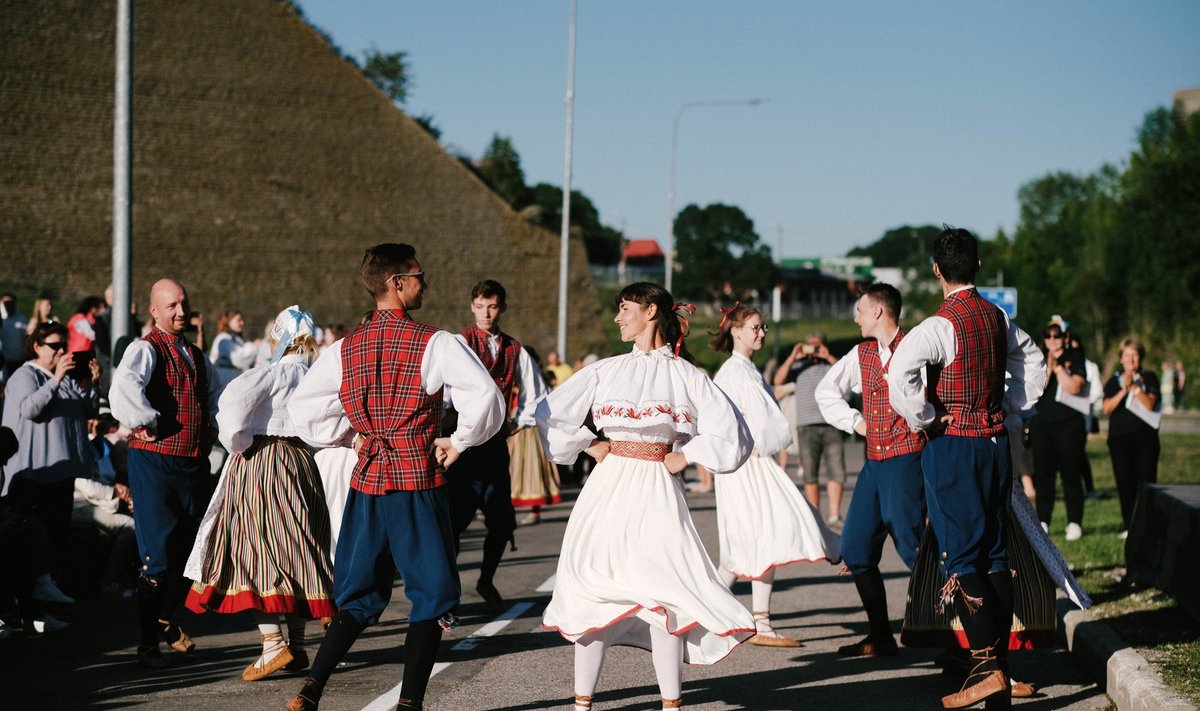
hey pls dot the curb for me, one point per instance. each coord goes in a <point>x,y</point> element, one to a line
<point>1130,681</point>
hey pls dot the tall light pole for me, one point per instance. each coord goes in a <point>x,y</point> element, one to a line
<point>122,172</point>
<point>670,261</point>
<point>565,239</point>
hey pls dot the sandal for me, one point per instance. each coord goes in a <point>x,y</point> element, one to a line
<point>673,703</point>
<point>255,672</point>
<point>582,703</point>
<point>769,638</point>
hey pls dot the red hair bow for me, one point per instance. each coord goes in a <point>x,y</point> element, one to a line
<point>686,326</point>
<point>726,312</point>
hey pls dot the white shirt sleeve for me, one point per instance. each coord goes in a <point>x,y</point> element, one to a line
<point>843,378</point>
<point>127,394</point>
<point>239,401</point>
<point>560,416</point>
<point>480,404</point>
<point>315,407</point>
<point>930,343</point>
<point>1025,376</point>
<point>532,391</point>
<point>723,441</point>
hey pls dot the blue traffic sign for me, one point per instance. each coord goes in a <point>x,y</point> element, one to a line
<point>1004,297</point>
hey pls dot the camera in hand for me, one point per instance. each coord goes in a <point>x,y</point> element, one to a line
<point>808,349</point>
<point>82,369</point>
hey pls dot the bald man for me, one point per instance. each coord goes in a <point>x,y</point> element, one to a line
<point>166,392</point>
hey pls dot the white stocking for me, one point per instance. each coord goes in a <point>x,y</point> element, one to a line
<point>589,658</point>
<point>268,627</point>
<point>760,595</point>
<point>667,652</point>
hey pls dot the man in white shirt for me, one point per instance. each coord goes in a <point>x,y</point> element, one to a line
<point>889,497</point>
<point>979,365</point>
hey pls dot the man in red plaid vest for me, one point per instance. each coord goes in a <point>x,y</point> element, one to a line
<point>164,391</point>
<point>889,497</point>
<point>380,391</point>
<point>979,365</point>
<point>481,481</point>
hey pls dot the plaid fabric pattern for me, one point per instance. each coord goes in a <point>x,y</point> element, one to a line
<point>382,394</point>
<point>888,435</point>
<point>972,387</point>
<point>180,392</point>
<point>503,368</point>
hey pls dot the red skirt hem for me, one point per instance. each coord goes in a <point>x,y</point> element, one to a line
<point>212,600</point>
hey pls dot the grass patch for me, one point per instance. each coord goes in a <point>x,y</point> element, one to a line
<point>1147,618</point>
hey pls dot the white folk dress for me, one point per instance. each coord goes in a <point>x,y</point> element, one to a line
<point>763,521</point>
<point>631,556</point>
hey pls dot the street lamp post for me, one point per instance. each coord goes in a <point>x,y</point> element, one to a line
<point>670,256</point>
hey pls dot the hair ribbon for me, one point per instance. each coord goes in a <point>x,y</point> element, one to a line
<point>686,326</point>
<point>725,314</point>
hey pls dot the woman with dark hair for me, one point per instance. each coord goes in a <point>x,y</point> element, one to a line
<point>1058,431</point>
<point>763,521</point>
<point>48,409</point>
<point>263,544</point>
<point>81,327</point>
<point>633,570</point>
<point>1132,403</point>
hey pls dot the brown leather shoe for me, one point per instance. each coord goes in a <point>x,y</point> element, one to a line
<point>1021,689</point>
<point>869,648</point>
<point>992,683</point>
<point>277,662</point>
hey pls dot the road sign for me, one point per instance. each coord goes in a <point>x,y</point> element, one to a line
<point>1004,297</point>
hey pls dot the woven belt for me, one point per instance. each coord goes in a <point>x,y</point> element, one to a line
<point>649,451</point>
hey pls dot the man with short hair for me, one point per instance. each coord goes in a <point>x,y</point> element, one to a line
<point>979,366</point>
<point>13,333</point>
<point>166,392</point>
<point>481,480</point>
<point>817,440</point>
<point>889,497</point>
<point>380,390</point>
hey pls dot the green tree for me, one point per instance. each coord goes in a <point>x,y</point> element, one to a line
<point>1158,219</point>
<point>604,244</point>
<point>388,71</point>
<point>905,247</point>
<point>719,250</point>
<point>501,168</point>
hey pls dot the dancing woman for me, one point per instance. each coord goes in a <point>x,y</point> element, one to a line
<point>264,541</point>
<point>763,521</point>
<point>632,569</point>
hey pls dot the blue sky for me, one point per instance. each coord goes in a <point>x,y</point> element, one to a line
<point>880,114</point>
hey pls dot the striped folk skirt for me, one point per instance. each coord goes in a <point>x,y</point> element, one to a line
<point>534,476</point>
<point>268,546</point>
<point>1034,616</point>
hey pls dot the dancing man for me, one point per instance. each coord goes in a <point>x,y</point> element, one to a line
<point>974,354</point>
<point>889,497</point>
<point>381,387</point>
<point>480,480</point>
<point>166,392</point>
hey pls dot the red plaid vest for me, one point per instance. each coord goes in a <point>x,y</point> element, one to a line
<point>504,368</point>
<point>888,435</point>
<point>382,394</point>
<point>179,392</point>
<point>972,387</point>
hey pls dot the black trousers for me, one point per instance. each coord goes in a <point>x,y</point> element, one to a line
<point>1134,461</point>
<point>1059,447</point>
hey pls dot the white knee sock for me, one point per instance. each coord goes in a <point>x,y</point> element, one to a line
<point>760,596</point>
<point>667,652</point>
<point>268,627</point>
<point>589,658</point>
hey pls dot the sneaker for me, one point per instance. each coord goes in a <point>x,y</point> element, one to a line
<point>530,519</point>
<point>49,623</point>
<point>1074,532</point>
<point>46,591</point>
<point>834,522</point>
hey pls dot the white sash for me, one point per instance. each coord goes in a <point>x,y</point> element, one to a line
<point>1080,402</point>
<point>1145,414</point>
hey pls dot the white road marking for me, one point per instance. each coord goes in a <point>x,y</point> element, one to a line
<point>547,586</point>
<point>387,701</point>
